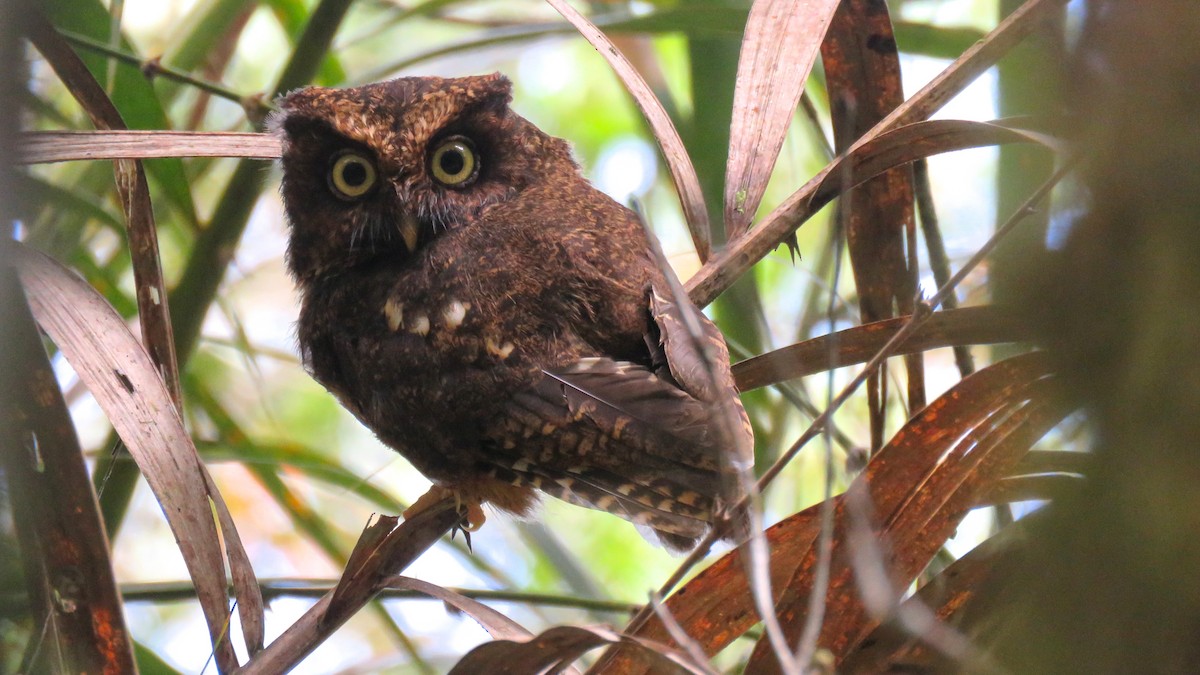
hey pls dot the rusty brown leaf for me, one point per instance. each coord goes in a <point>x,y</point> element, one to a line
<point>72,593</point>
<point>715,607</point>
<point>968,326</point>
<point>921,483</point>
<point>930,474</point>
<point>560,646</point>
<point>862,75</point>
<point>954,596</point>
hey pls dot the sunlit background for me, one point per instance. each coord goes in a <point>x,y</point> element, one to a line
<point>245,381</point>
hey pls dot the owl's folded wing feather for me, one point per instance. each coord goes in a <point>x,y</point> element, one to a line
<point>697,358</point>
<point>612,435</point>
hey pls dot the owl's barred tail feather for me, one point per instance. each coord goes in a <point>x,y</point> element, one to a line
<point>677,524</point>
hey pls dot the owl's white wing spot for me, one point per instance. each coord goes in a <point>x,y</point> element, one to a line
<point>454,313</point>
<point>393,311</point>
<point>420,324</point>
<point>500,351</point>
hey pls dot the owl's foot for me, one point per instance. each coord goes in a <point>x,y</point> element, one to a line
<point>437,494</point>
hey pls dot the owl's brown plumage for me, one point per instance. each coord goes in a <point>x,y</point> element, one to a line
<point>492,316</point>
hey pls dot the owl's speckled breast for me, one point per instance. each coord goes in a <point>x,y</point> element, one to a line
<point>426,351</point>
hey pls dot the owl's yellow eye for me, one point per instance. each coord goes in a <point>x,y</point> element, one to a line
<point>454,163</point>
<point>352,175</point>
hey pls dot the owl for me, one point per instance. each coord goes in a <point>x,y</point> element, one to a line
<point>492,316</point>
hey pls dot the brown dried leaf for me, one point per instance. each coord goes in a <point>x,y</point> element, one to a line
<point>678,161</point>
<point>362,575</point>
<point>384,550</point>
<point>41,147</point>
<point>968,326</point>
<point>560,646</point>
<point>499,626</point>
<point>862,74</point>
<point>917,487</point>
<point>716,606</point>
<point>153,313</point>
<point>779,47</point>
<point>953,596</point>
<point>120,375</point>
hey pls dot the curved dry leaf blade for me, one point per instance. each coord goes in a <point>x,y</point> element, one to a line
<point>779,47</point>
<point>115,368</point>
<point>949,328</point>
<point>687,184</point>
<point>40,147</point>
<point>499,626</point>
<point>560,646</point>
<point>971,469</point>
<point>920,485</point>
<point>716,606</point>
<point>866,160</point>
<point>59,526</point>
<point>250,606</point>
<point>362,569</point>
<point>134,193</point>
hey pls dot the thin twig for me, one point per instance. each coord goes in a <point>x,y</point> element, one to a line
<point>152,68</point>
<point>315,588</point>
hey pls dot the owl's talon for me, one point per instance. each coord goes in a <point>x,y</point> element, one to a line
<point>475,517</point>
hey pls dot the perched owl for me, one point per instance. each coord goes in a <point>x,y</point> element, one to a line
<point>472,299</point>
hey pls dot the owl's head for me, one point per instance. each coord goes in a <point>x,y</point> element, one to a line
<point>384,169</point>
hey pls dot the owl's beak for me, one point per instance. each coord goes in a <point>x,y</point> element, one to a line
<point>410,229</point>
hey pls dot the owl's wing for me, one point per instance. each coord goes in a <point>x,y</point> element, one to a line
<point>611,435</point>
<point>624,438</point>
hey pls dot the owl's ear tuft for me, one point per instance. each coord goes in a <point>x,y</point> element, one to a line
<point>494,90</point>
<point>296,100</point>
<point>294,112</point>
